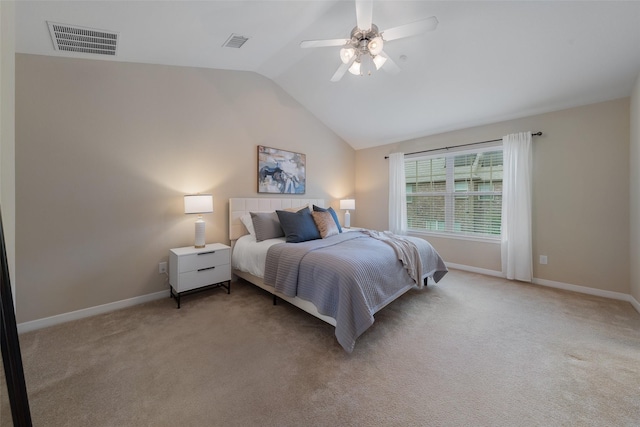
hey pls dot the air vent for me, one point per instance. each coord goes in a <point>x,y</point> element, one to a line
<point>235,41</point>
<point>71,38</point>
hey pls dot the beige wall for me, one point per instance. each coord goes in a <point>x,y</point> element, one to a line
<point>580,196</point>
<point>106,150</point>
<point>7,132</point>
<point>635,190</point>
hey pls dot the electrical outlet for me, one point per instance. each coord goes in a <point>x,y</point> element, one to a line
<point>543,259</point>
<point>162,268</point>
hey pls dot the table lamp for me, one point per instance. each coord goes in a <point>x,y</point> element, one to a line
<point>199,204</point>
<point>347,204</point>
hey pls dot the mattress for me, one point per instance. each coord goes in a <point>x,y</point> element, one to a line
<point>250,256</point>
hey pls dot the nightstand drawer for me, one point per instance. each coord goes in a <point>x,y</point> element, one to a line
<point>202,260</point>
<point>198,278</point>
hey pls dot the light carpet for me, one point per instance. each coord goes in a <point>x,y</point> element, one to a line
<point>471,351</point>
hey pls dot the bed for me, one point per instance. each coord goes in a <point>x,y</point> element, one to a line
<point>342,279</point>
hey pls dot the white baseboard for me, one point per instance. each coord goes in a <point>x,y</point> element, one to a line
<point>88,312</point>
<point>474,269</point>
<point>634,302</point>
<point>583,289</point>
<point>558,285</point>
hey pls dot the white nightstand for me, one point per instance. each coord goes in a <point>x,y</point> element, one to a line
<point>194,269</point>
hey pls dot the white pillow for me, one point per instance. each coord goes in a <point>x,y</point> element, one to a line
<point>248,223</point>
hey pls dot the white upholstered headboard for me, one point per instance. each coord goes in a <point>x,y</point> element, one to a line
<point>241,206</point>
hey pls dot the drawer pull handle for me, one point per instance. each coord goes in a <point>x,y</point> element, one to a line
<point>208,268</point>
<point>206,253</point>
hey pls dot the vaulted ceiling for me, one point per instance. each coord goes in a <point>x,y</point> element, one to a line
<point>485,62</point>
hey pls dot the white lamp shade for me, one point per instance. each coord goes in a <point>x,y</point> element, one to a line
<point>379,60</point>
<point>346,53</point>
<point>375,45</point>
<point>198,203</point>
<point>355,68</point>
<point>349,204</point>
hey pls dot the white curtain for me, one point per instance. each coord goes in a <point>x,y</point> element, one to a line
<point>397,194</point>
<point>517,256</point>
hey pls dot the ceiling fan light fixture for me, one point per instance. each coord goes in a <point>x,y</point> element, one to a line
<point>375,45</point>
<point>379,61</point>
<point>346,53</point>
<point>355,68</point>
<point>362,53</point>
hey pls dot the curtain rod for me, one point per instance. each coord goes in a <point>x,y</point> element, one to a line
<point>461,145</point>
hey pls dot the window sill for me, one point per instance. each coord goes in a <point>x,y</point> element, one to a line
<point>466,237</point>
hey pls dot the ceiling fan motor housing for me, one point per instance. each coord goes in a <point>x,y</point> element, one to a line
<point>360,38</point>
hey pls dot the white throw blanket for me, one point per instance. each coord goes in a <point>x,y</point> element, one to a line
<point>406,251</point>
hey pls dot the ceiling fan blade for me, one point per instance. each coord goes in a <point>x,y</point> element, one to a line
<point>389,65</point>
<point>364,14</point>
<point>340,72</point>
<point>412,29</point>
<point>324,43</point>
<point>342,69</point>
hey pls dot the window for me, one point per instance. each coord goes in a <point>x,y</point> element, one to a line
<point>457,193</point>
<point>409,191</point>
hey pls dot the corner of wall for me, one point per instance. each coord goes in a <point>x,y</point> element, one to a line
<point>634,187</point>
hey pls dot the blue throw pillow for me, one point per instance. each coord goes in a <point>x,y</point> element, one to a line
<point>298,226</point>
<point>333,214</point>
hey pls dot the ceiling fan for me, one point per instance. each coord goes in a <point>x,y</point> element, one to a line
<point>362,52</point>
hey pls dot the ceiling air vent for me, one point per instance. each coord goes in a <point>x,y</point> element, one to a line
<point>71,38</point>
<point>235,41</point>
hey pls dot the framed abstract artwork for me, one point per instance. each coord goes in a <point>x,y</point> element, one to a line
<point>281,171</point>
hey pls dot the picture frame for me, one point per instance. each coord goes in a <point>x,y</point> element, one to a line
<point>281,171</point>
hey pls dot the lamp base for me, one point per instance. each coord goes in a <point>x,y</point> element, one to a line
<point>200,232</point>
<point>347,219</point>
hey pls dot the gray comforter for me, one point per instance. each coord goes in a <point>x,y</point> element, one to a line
<point>349,276</point>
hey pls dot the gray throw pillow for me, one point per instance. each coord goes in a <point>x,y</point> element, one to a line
<point>266,225</point>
